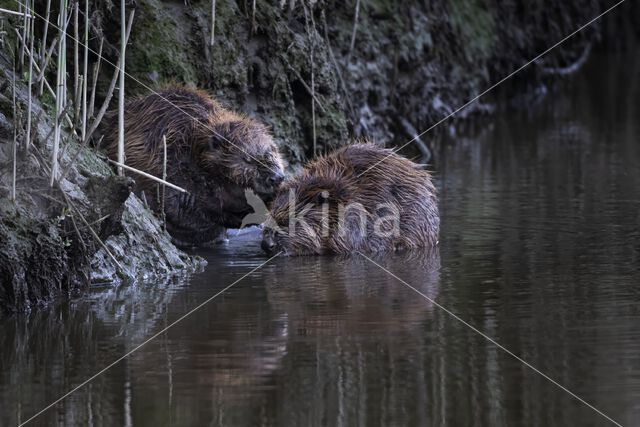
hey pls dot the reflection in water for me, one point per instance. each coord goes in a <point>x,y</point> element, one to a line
<point>540,250</point>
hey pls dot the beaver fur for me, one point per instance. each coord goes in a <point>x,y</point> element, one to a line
<point>359,198</point>
<point>212,152</point>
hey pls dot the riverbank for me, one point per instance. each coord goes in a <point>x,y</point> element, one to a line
<point>85,229</point>
<point>318,73</point>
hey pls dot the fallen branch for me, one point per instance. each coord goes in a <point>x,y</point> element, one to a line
<point>415,137</point>
<point>565,71</point>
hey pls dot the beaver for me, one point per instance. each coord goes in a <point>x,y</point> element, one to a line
<point>212,152</point>
<point>361,197</point>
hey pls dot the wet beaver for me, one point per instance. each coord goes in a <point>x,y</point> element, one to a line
<point>212,152</point>
<point>359,198</point>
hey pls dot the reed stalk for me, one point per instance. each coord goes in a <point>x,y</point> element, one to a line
<point>96,71</point>
<point>123,47</point>
<point>253,17</point>
<point>149,176</point>
<point>14,147</point>
<point>85,70</point>
<point>355,30</point>
<point>30,86</point>
<point>76,61</point>
<point>60,87</point>
<point>26,22</point>
<point>313,84</point>
<point>45,58</point>
<point>13,12</point>
<point>213,22</point>
<point>114,79</point>
<point>164,178</point>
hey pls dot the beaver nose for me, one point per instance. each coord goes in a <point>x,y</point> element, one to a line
<point>276,179</point>
<point>268,245</point>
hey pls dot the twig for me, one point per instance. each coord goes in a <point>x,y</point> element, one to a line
<point>44,65</point>
<point>95,235</point>
<point>355,29</point>
<point>253,18</point>
<point>213,22</point>
<point>45,58</point>
<point>60,117</point>
<point>60,86</point>
<point>85,70</point>
<point>29,87</point>
<point>304,84</point>
<point>15,136</point>
<point>49,88</point>
<point>91,223</point>
<point>13,12</point>
<point>422,146</point>
<point>25,30</point>
<point>565,71</point>
<point>146,175</point>
<point>164,178</point>
<point>96,70</point>
<point>107,99</point>
<point>76,60</point>
<point>123,47</point>
<point>313,84</point>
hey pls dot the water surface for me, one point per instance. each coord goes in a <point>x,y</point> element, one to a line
<point>540,250</point>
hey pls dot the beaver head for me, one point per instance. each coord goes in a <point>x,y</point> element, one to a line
<point>242,151</point>
<point>198,217</point>
<point>359,198</point>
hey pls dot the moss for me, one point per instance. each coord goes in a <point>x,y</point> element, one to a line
<point>160,47</point>
<point>474,22</point>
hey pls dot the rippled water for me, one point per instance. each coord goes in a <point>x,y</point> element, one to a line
<point>540,250</point>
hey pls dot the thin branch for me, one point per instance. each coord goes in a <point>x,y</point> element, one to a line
<point>85,70</point>
<point>313,84</point>
<point>123,48</point>
<point>355,29</point>
<point>96,70</point>
<point>304,84</point>
<point>112,86</point>
<point>13,12</point>
<point>146,175</point>
<point>164,178</point>
<point>213,22</point>
<point>29,88</point>
<point>14,148</point>
<point>95,235</point>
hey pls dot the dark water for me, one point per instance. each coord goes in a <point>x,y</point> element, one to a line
<point>540,250</point>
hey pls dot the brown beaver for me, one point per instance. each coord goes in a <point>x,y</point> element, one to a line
<point>359,198</point>
<point>212,152</point>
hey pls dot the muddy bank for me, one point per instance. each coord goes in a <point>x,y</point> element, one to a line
<point>85,229</point>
